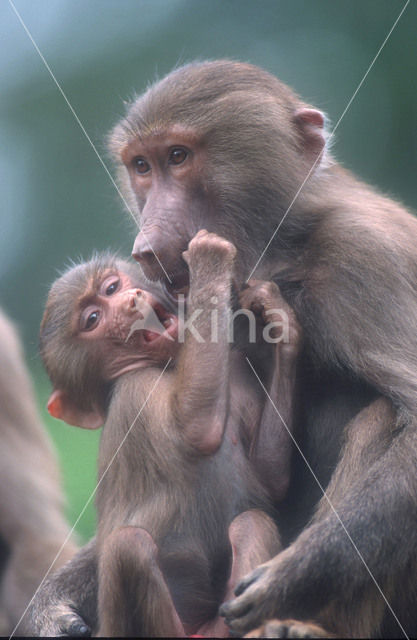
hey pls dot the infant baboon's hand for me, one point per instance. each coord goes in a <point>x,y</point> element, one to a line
<point>260,296</point>
<point>209,250</point>
<point>264,298</point>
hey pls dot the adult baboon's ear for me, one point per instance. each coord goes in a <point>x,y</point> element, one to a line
<point>311,124</point>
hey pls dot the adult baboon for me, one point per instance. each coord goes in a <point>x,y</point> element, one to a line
<point>226,146</point>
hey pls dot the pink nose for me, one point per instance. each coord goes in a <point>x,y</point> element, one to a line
<point>132,297</point>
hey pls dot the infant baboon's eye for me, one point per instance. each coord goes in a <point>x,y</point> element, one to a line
<point>112,287</point>
<point>90,320</point>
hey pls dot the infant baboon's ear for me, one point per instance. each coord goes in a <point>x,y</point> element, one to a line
<point>61,406</point>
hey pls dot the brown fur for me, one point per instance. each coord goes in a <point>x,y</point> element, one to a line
<point>32,525</point>
<point>182,512</point>
<point>345,259</point>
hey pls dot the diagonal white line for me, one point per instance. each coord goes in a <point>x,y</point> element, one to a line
<point>92,495</point>
<point>328,499</point>
<point>103,164</point>
<point>328,141</point>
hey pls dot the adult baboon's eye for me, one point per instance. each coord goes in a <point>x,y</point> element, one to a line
<point>141,165</point>
<point>177,155</point>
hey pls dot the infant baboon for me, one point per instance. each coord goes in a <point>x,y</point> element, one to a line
<point>184,504</point>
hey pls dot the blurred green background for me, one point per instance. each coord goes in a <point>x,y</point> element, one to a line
<point>58,202</point>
